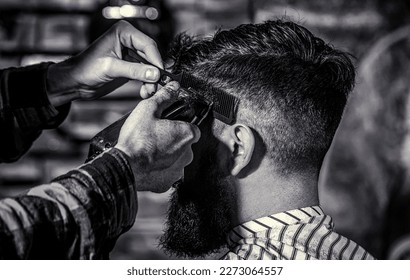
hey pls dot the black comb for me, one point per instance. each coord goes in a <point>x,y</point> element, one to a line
<point>224,104</point>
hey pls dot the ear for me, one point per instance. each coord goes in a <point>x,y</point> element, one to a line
<point>242,144</point>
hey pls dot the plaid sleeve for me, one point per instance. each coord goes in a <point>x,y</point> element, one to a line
<point>25,109</point>
<point>79,215</point>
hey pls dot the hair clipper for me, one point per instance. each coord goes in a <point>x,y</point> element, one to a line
<point>188,111</point>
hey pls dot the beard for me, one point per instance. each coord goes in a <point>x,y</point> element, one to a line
<point>200,211</point>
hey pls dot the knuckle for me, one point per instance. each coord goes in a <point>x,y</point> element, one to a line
<point>136,71</point>
<point>166,92</point>
<point>121,24</point>
<point>150,43</point>
<point>172,86</point>
<point>105,65</point>
<point>169,92</point>
<point>160,96</point>
<point>117,27</point>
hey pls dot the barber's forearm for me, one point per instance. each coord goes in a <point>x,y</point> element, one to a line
<point>25,92</point>
<point>103,202</point>
<point>36,228</point>
<point>25,109</point>
<point>78,216</point>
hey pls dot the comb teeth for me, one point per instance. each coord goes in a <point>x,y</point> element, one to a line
<point>224,107</point>
<point>224,104</point>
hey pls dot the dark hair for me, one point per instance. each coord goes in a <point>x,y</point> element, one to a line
<point>292,86</point>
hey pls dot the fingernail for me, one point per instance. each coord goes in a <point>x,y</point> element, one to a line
<point>152,74</point>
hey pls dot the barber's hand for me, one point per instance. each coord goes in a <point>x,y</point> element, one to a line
<point>100,69</point>
<point>158,149</point>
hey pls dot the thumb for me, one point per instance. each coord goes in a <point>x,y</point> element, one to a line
<point>164,97</point>
<point>133,71</point>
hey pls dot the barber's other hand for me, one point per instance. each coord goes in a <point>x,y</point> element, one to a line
<point>99,69</point>
<point>158,149</point>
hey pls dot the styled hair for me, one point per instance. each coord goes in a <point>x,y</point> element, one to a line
<point>292,86</point>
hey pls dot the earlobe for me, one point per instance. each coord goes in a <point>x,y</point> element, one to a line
<point>243,141</point>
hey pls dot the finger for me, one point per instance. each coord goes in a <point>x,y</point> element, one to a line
<point>183,134</point>
<point>151,89</point>
<point>197,133</point>
<point>165,97</point>
<point>191,132</point>
<point>144,93</point>
<point>131,37</point>
<point>134,71</point>
<point>187,157</point>
<point>154,106</point>
<point>148,90</point>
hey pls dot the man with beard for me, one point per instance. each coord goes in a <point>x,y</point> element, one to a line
<point>253,184</point>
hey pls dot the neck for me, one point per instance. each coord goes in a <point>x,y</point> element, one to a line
<point>265,193</point>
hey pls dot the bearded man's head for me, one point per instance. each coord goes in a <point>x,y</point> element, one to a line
<point>292,89</point>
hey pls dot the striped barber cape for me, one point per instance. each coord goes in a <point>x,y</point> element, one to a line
<point>300,234</point>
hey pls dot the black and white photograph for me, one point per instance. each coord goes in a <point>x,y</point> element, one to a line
<point>205,130</point>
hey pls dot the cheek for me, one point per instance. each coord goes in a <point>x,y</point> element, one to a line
<point>193,169</point>
<point>224,159</point>
<point>205,162</point>
<point>209,154</point>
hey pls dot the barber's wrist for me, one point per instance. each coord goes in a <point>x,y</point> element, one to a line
<point>133,156</point>
<point>110,178</point>
<point>60,85</point>
<point>138,162</point>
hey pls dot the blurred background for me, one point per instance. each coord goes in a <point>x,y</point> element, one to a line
<point>364,182</point>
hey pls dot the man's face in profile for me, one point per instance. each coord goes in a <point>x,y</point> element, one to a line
<point>200,207</point>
